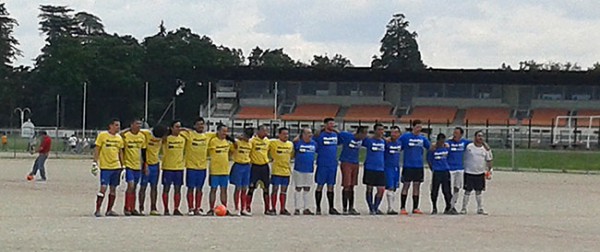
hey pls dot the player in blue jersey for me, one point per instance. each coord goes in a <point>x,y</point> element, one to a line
<point>457,146</point>
<point>393,147</point>
<point>413,145</point>
<point>374,175</point>
<point>327,142</point>
<point>304,165</point>
<point>438,163</point>
<point>351,144</point>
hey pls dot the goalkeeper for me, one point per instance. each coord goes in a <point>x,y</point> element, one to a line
<point>108,156</point>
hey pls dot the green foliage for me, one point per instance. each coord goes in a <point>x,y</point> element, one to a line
<point>338,61</point>
<point>275,58</point>
<point>399,48</point>
<point>8,43</point>
<point>532,65</point>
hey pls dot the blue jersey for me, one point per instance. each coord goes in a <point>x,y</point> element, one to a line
<point>392,153</point>
<point>438,159</point>
<point>413,150</point>
<point>350,147</point>
<point>375,154</point>
<point>327,149</point>
<point>457,151</point>
<point>304,153</point>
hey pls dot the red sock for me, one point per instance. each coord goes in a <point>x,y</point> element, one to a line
<point>282,197</point>
<point>236,199</point>
<point>127,203</point>
<point>99,200</point>
<point>132,202</point>
<point>190,201</point>
<point>198,200</point>
<point>266,200</point>
<point>243,200</point>
<point>165,197</point>
<point>248,202</point>
<point>177,198</point>
<point>273,201</point>
<point>111,202</point>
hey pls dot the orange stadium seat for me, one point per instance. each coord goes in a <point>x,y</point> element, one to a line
<point>493,116</point>
<point>312,112</point>
<point>585,122</point>
<point>249,113</point>
<point>370,113</point>
<point>544,117</point>
<point>435,115</point>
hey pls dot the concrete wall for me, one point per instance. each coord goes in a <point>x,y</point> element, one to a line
<point>341,100</point>
<point>461,103</point>
<point>566,104</point>
<point>256,102</point>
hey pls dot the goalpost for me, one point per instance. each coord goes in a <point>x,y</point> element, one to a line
<point>572,126</point>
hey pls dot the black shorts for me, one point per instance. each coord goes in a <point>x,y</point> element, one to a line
<point>260,174</point>
<point>374,178</point>
<point>412,175</point>
<point>474,182</point>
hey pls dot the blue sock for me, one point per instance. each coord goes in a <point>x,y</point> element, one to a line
<point>377,202</point>
<point>369,197</point>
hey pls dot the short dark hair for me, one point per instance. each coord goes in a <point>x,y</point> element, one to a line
<point>159,131</point>
<point>263,127</point>
<point>113,120</point>
<point>199,119</point>
<point>248,132</point>
<point>477,132</point>
<point>174,122</point>
<point>135,120</point>
<point>282,129</point>
<point>462,131</point>
<point>441,136</point>
<point>43,132</point>
<point>395,127</point>
<point>327,120</point>
<point>220,126</point>
<point>375,126</point>
<point>361,129</point>
<point>415,122</point>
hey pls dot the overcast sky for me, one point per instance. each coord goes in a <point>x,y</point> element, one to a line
<point>452,34</point>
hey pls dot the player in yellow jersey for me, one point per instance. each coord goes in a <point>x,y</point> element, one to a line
<point>196,149</point>
<point>259,171</point>
<point>281,151</point>
<point>135,149</point>
<point>240,171</point>
<point>172,167</point>
<point>108,155</point>
<point>151,161</point>
<point>218,150</point>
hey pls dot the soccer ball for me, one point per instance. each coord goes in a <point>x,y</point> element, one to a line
<point>29,177</point>
<point>220,210</point>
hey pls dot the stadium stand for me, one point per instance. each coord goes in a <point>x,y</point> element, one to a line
<point>585,122</point>
<point>252,113</point>
<point>543,117</point>
<point>492,116</point>
<point>433,115</point>
<point>312,112</point>
<point>370,113</point>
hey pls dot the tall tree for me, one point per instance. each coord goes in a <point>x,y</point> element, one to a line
<point>57,22</point>
<point>8,43</point>
<point>399,48</point>
<point>89,23</point>
<point>338,61</point>
<point>275,58</point>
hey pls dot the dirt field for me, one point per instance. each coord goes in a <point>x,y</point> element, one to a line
<point>528,212</point>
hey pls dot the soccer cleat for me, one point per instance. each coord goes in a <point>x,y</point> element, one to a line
<point>463,211</point>
<point>353,212</point>
<point>417,211</point>
<point>154,213</point>
<point>318,212</point>
<point>210,213</point>
<point>284,212</point>
<point>434,211</point>
<point>191,213</point>
<point>199,212</point>
<point>126,213</point>
<point>112,213</point>
<point>297,212</point>
<point>345,212</point>
<point>403,212</point>
<point>246,213</point>
<point>97,214</point>
<point>136,213</point>
<point>166,213</point>
<point>481,211</point>
<point>141,212</point>
<point>378,212</point>
<point>392,212</point>
<point>307,212</point>
<point>453,211</point>
<point>271,212</point>
<point>333,211</point>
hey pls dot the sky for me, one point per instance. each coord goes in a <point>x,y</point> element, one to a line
<point>451,34</point>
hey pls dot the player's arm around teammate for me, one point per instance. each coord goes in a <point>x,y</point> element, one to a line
<point>374,172</point>
<point>327,143</point>
<point>240,171</point>
<point>151,160</point>
<point>478,164</point>
<point>259,171</point>
<point>108,155</point>
<point>393,147</point>
<point>438,163</point>
<point>135,144</point>
<point>173,167</point>
<point>413,145</point>
<point>218,149</point>
<point>349,165</point>
<point>304,165</point>
<point>281,151</point>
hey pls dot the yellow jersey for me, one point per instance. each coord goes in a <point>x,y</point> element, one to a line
<point>110,146</point>
<point>218,150</point>
<point>153,145</point>
<point>196,148</point>
<point>241,152</point>
<point>134,143</point>
<point>282,153</point>
<point>172,148</point>
<point>4,139</point>
<point>260,150</point>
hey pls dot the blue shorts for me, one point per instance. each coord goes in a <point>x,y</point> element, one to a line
<point>195,178</point>
<point>110,177</point>
<point>240,175</point>
<point>132,175</point>
<point>172,178</point>
<point>280,180</point>
<point>325,175</point>
<point>392,177</point>
<point>219,181</point>
<point>152,177</point>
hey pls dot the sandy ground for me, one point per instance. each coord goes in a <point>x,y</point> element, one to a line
<point>528,212</point>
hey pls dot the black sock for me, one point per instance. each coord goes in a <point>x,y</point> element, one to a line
<point>350,200</point>
<point>403,201</point>
<point>415,202</point>
<point>318,197</point>
<point>330,199</point>
<point>345,200</point>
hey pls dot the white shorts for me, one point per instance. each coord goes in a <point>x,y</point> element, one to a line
<point>303,179</point>
<point>457,178</point>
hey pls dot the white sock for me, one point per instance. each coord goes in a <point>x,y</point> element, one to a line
<point>297,199</point>
<point>466,200</point>
<point>455,196</point>
<point>305,196</point>
<point>390,195</point>
<point>479,198</point>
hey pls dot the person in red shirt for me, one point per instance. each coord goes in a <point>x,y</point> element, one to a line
<point>43,150</point>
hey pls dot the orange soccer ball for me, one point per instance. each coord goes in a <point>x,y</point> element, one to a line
<point>29,177</point>
<point>221,210</point>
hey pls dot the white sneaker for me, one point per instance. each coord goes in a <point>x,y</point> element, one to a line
<point>246,213</point>
<point>463,211</point>
<point>238,213</point>
<point>481,211</point>
<point>191,213</point>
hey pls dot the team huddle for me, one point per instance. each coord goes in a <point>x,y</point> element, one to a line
<point>176,153</point>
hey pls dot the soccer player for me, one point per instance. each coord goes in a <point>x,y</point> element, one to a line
<point>457,146</point>
<point>134,152</point>
<point>240,171</point>
<point>327,142</point>
<point>393,146</point>
<point>195,155</point>
<point>281,151</point>
<point>304,165</point>
<point>413,145</point>
<point>478,165</point>
<point>437,158</point>
<point>259,171</point>
<point>43,150</point>
<point>374,175</point>
<point>4,141</point>
<point>153,146</point>
<point>218,150</point>
<point>108,156</point>
<point>351,144</point>
<point>172,167</point>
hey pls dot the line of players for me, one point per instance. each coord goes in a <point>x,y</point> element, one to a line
<point>187,150</point>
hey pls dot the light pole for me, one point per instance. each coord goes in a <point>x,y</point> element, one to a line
<point>275,102</point>
<point>209,100</point>
<point>22,112</point>
<point>84,107</point>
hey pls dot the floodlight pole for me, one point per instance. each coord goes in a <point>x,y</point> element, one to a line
<point>84,108</point>
<point>275,102</point>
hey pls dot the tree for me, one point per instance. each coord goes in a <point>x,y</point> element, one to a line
<point>399,48</point>
<point>595,67</point>
<point>338,61</point>
<point>532,65</point>
<point>89,23</point>
<point>275,58</point>
<point>57,22</point>
<point>8,43</point>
